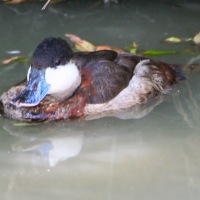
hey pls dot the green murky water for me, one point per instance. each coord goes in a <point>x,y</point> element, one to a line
<point>154,155</point>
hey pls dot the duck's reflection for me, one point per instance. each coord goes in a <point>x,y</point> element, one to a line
<point>52,149</point>
<point>57,141</point>
<point>53,143</point>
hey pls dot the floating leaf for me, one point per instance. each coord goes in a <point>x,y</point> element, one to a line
<point>196,38</point>
<point>83,45</point>
<point>24,124</point>
<point>132,51</point>
<point>30,123</point>
<point>158,52</point>
<point>14,59</point>
<point>189,39</point>
<point>14,1</point>
<point>21,1</point>
<point>21,59</point>
<point>9,60</point>
<point>132,48</point>
<point>134,45</point>
<point>172,40</point>
<point>80,44</point>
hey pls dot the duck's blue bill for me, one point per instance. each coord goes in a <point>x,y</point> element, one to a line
<point>35,90</point>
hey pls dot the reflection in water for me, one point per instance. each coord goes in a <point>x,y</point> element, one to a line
<point>188,104</point>
<point>54,144</point>
<point>54,147</point>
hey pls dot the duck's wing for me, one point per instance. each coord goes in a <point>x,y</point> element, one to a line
<point>105,74</point>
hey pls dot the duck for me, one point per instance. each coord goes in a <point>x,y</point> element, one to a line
<point>62,84</point>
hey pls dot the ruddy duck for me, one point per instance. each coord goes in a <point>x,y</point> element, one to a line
<point>62,84</point>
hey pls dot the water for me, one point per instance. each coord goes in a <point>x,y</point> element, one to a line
<point>154,157</point>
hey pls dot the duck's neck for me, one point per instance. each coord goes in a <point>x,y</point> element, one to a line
<point>63,80</point>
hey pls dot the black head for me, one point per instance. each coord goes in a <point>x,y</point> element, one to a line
<point>51,52</point>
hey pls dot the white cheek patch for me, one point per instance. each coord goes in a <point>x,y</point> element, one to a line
<point>62,78</point>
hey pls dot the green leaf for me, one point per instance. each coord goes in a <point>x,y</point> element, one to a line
<point>132,48</point>
<point>30,123</point>
<point>23,124</point>
<point>21,59</point>
<point>158,52</point>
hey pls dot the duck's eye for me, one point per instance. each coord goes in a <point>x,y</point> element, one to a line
<point>57,62</point>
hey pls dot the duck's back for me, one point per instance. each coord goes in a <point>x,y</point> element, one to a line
<point>104,74</point>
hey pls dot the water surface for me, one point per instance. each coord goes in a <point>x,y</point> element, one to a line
<point>152,155</point>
